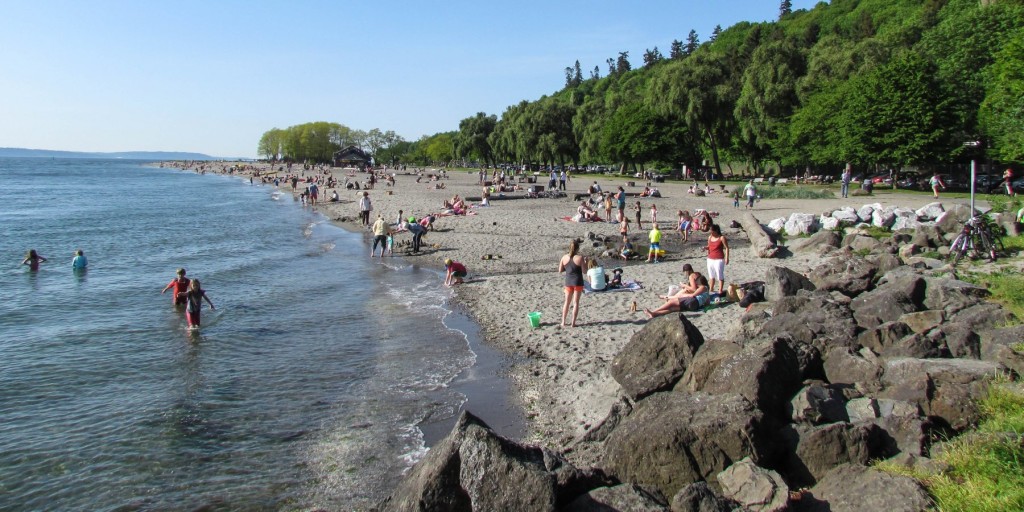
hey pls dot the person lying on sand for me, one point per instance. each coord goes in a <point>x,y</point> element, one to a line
<point>684,300</point>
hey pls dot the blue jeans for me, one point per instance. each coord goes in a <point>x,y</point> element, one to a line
<point>845,189</point>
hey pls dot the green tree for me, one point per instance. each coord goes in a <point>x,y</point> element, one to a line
<point>651,57</point>
<point>676,50</point>
<point>767,99</point>
<point>1002,111</point>
<point>440,148</point>
<point>271,144</point>
<point>785,8</point>
<point>692,43</point>
<point>715,33</point>
<point>472,138</point>
<point>622,63</point>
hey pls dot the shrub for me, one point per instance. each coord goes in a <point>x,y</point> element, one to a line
<point>794,193</point>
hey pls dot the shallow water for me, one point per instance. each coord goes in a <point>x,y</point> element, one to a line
<point>307,387</point>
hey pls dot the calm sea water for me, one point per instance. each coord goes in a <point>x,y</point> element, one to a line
<point>307,387</point>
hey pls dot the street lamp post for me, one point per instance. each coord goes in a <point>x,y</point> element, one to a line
<point>974,170</point>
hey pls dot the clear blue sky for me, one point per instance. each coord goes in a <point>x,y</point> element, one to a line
<point>211,76</point>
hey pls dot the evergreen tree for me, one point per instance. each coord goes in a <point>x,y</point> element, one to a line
<point>785,8</point>
<point>715,33</point>
<point>692,43</point>
<point>577,74</point>
<point>611,66</point>
<point>652,56</point>
<point>568,77</point>
<point>676,51</point>
<point>595,74</point>
<point>622,64</point>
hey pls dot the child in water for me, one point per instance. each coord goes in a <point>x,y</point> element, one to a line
<point>33,259</point>
<point>194,303</point>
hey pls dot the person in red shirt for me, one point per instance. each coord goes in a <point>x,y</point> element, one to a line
<point>180,285</point>
<point>455,271</point>
<point>718,258</point>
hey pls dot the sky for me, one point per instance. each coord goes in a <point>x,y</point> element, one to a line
<point>211,76</point>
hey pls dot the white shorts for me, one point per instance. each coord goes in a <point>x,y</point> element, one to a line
<point>716,269</point>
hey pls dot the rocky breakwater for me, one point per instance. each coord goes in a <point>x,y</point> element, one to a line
<point>863,359</point>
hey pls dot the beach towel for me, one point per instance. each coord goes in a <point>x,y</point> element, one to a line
<point>627,286</point>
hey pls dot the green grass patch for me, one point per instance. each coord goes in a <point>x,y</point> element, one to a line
<point>794,192</point>
<point>1018,347</point>
<point>1004,204</point>
<point>1013,244</point>
<point>1006,286</point>
<point>986,467</point>
<point>877,232</point>
<point>931,254</point>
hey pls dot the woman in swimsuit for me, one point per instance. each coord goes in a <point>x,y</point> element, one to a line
<point>33,259</point>
<point>572,265</point>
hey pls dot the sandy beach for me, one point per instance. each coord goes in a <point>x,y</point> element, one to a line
<point>512,248</point>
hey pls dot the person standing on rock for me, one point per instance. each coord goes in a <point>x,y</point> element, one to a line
<point>572,265</point>
<point>718,258</point>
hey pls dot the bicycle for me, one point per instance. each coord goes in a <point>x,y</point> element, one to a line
<point>977,238</point>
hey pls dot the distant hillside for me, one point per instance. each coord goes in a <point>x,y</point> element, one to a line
<point>133,155</point>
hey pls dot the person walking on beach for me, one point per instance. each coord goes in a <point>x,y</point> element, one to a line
<point>845,180</point>
<point>314,192</point>
<point>572,265</point>
<point>79,262</point>
<point>655,238</point>
<point>180,285</point>
<point>365,207</point>
<point>193,298</point>
<point>381,230</point>
<point>33,259</point>
<point>751,193</point>
<point>455,272</point>
<point>936,182</point>
<point>718,258</point>
<point>561,180</point>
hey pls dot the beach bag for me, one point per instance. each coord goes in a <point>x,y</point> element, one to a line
<point>753,291</point>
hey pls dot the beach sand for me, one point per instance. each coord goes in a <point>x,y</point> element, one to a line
<point>561,374</point>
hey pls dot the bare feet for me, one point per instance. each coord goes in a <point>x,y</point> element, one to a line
<point>648,313</point>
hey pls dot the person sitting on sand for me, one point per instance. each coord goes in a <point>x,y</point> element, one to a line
<point>585,212</point>
<point>616,280</point>
<point>627,251</point>
<point>684,300</point>
<point>455,272</point>
<point>595,275</point>
<point>334,196</point>
<point>646,192</point>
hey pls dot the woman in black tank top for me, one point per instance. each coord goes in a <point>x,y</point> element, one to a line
<point>572,265</point>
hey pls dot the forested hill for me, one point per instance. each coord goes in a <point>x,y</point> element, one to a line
<point>872,82</point>
<point>133,155</point>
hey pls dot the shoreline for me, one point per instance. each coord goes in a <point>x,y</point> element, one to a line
<point>560,376</point>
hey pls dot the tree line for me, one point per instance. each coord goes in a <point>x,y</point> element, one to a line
<point>869,82</point>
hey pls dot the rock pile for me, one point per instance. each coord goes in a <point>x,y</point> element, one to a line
<point>871,356</point>
<point>893,218</point>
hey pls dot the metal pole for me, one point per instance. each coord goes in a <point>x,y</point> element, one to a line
<point>973,177</point>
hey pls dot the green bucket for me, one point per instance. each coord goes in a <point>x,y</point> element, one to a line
<point>534,319</point>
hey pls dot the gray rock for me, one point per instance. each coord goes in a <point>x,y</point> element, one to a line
<point>829,223</point>
<point>815,242</point>
<point>474,469</point>
<point>707,359</point>
<point>904,223</point>
<point>916,346</point>
<point>951,295</point>
<point>846,273</point>
<point>929,263</point>
<point>885,262</point>
<point>1001,346</point>
<point>801,224</point>
<point>923,321</point>
<point>846,216</point>
<point>861,243</point>
<point>843,366</point>
<point>765,373</point>
<point>656,356</point>
<point>754,487</point>
<point>862,409</point>
<point>928,236</point>
<point>857,488</point>
<point>700,497</point>
<point>814,450</point>
<point>883,304</point>
<point>985,315</point>
<point>864,212</point>
<point>782,282</point>
<point>624,497</point>
<point>883,336</point>
<point>959,340</point>
<point>675,439</point>
<point>818,403</point>
<point>776,225</point>
<point>883,218</point>
<point>948,389</point>
<point>930,211</point>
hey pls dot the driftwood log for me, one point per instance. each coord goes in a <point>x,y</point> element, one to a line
<point>760,241</point>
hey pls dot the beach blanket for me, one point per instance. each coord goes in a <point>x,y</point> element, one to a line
<point>627,286</point>
<point>576,218</point>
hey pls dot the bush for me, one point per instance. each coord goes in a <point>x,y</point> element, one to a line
<point>1004,204</point>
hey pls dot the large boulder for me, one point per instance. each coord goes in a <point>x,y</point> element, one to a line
<point>656,356</point>
<point>928,236</point>
<point>862,243</point>
<point>818,403</point>
<point>864,212</point>
<point>856,488</point>
<point>923,321</point>
<point>753,487</point>
<point>815,242</point>
<point>982,316</point>
<point>889,301</point>
<point>1004,346</point>
<point>904,223</point>
<point>801,224</point>
<point>782,282</point>
<point>843,366</point>
<point>883,336</point>
<point>846,216</point>
<point>700,497</point>
<point>948,389</point>
<point>675,439</point>
<point>951,295</point>
<point>829,223</point>
<point>846,273</point>
<point>814,450</point>
<point>816,318</point>
<point>930,211</point>
<point>776,224</point>
<point>958,339</point>
<point>883,218</point>
<point>765,373</point>
<point>620,497</point>
<point>710,355</point>
<point>475,469</point>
